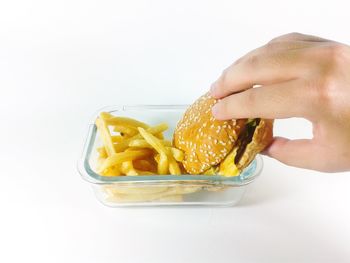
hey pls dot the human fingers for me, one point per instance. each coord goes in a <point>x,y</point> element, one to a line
<point>299,153</point>
<point>275,101</point>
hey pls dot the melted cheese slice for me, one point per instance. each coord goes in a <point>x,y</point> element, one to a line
<point>228,167</point>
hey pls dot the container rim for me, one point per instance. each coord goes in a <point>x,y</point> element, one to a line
<point>248,175</point>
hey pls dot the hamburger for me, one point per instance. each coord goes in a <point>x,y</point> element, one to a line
<point>214,146</point>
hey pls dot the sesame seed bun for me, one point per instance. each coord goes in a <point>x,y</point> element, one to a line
<point>206,142</point>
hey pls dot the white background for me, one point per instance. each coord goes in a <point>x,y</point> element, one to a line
<point>60,61</point>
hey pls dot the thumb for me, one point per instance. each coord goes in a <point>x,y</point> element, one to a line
<point>298,153</point>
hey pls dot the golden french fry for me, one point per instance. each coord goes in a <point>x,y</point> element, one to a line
<point>152,130</point>
<point>134,189</point>
<point>118,158</point>
<point>129,131</point>
<point>112,171</point>
<point>157,158</point>
<point>102,152</point>
<point>117,138</point>
<point>105,136</point>
<point>124,125</point>
<point>99,162</point>
<point>166,159</point>
<point>127,168</point>
<point>185,189</point>
<point>153,141</point>
<point>174,168</point>
<point>159,135</point>
<point>167,143</point>
<point>122,121</point>
<point>145,165</point>
<point>137,194</point>
<point>140,143</point>
<point>120,198</point>
<point>144,144</point>
<point>141,172</point>
<point>131,149</point>
<point>124,167</point>
<point>151,161</point>
<point>105,115</point>
<point>163,164</point>
<point>178,154</point>
<point>157,128</point>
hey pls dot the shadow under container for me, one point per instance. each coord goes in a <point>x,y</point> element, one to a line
<point>160,190</point>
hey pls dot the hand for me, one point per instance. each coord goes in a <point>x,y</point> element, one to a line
<point>298,76</point>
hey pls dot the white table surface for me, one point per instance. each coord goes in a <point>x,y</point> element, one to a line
<point>60,61</point>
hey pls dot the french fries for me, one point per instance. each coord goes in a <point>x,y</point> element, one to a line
<point>163,164</point>
<point>102,152</point>
<point>122,146</point>
<point>145,165</point>
<point>133,148</point>
<point>125,131</point>
<point>117,138</point>
<point>178,154</point>
<point>106,136</point>
<point>173,166</point>
<point>119,158</point>
<point>149,193</point>
<point>122,121</point>
<point>112,171</point>
<point>128,169</point>
<point>144,144</point>
<point>166,160</point>
<point>140,143</point>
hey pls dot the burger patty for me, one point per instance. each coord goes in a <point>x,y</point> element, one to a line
<point>245,137</point>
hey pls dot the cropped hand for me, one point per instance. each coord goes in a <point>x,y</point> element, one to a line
<point>294,75</point>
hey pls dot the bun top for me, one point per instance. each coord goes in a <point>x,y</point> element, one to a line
<point>205,140</point>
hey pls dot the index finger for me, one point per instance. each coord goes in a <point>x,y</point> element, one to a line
<point>277,101</point>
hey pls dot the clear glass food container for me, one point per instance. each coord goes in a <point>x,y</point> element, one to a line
<point>160,190</point>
